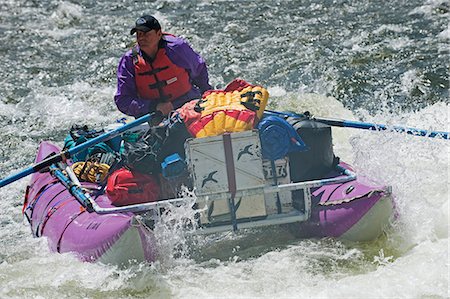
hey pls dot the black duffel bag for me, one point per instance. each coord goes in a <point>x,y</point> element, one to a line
<point>147,152</point>
<point>319,160</point>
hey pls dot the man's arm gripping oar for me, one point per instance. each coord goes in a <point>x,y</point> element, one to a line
<point>68,153</point>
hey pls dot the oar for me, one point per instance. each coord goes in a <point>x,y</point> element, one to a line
<point>69,152</point>
<point>364,125</point>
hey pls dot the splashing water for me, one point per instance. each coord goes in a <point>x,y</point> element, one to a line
<point>383,62</point>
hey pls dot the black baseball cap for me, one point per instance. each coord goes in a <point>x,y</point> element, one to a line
<point>145,23</point>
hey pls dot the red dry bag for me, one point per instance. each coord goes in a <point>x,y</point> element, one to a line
<point>127,187</point>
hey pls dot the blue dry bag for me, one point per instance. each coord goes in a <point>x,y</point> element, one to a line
<point>278,138</point>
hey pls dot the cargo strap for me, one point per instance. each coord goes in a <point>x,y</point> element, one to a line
<point>29,209</point>
<point>275,182</point>
<point>71,219</point>
<point>231,175</point>
<point>50,212</point>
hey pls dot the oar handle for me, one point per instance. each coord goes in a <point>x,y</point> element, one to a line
<point>70,152</point>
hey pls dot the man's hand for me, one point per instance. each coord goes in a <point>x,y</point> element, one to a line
<point>165,107</point>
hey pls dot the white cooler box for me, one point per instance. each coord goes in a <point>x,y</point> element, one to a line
<point>207,162</point>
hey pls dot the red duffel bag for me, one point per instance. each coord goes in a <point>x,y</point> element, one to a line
<point>126,187</point>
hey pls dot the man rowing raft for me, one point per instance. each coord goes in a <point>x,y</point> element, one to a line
<point>161,73</point>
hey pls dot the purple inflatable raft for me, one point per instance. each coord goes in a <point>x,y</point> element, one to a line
<point>235,188</point>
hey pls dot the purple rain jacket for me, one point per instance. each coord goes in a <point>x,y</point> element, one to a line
<point>180,53</point>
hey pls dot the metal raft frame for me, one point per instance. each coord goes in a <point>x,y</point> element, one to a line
<point>157,208</point>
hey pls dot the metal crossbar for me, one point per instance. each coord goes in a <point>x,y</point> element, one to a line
<point>272,219</point>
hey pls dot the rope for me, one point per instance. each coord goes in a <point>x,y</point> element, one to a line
<point>93,172</point>
<point>347,200</point>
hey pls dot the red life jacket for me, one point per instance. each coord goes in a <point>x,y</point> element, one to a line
<point>160,79</point>
<point>237,108</point>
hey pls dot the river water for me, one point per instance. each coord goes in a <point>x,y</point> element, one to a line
<point>378,61</point>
